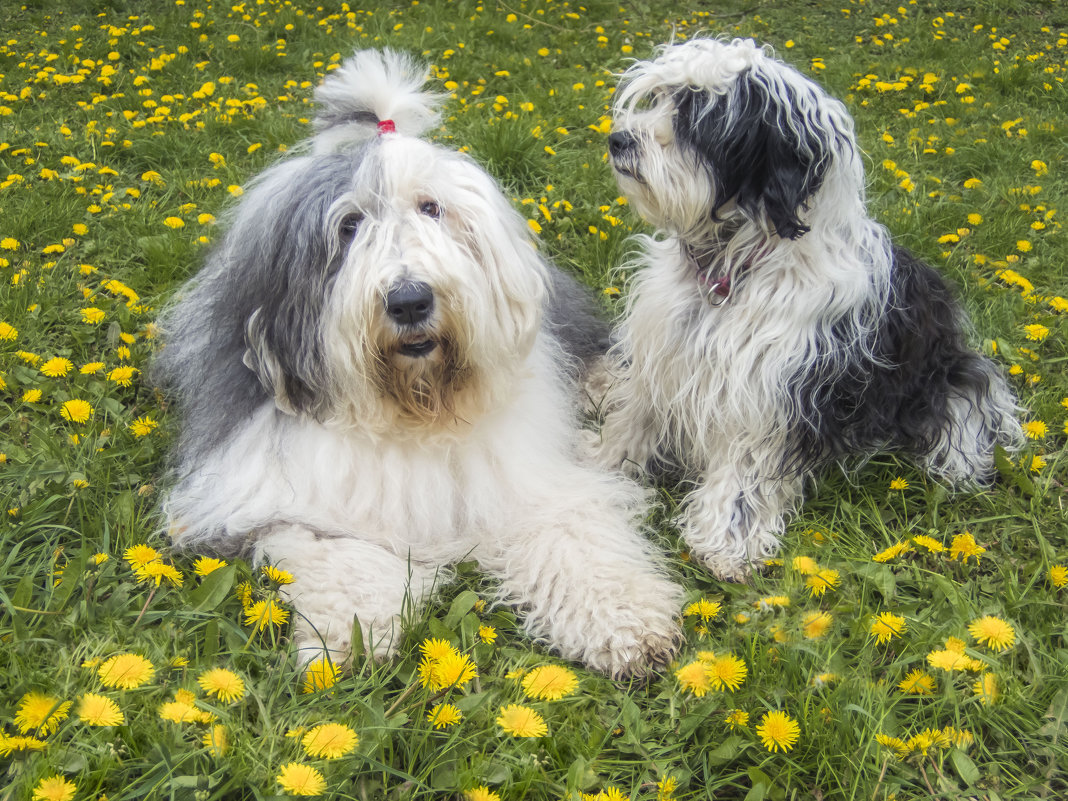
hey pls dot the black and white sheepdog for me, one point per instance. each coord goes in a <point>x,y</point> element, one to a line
<point>772,327</point>
<point>377,375</point>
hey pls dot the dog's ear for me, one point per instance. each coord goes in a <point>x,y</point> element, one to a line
<point>763,152</point>
<point>280,259</point>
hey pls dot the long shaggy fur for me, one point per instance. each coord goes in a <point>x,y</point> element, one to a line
<point>376,375</point>
<point>772,327</point>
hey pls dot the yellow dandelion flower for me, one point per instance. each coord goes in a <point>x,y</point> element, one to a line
<point>816,624</point>
<point>917,682</point>
<point>1035,429</point>
<point>99,710</point>
<point>216,740</point>
<point>549,682</point>
<point>174,222</point>
<point>899,484</point>
<point>56,367</point>
<point>772,601</point>
<point>521,721</point>
<point>265,613</point>
<point>892,552</point>
<point>993,632</point>
<point>965,546</point>
<point>40,713</point>
<point>54,788</point>
<point>140,555</point>
<point>894,743</point>
<point>986,687</point>
<point>444,715</point>
<point>206,565</point>
<point>949,661</point>
<point>142,426</point>
<point>1036,332</point>
<point>321,674</point>
<point>805,565</point>
<point>930,543</point>
<point>224,684</point>
<point>737,718</point>
<point>76,410</point>
<point>156,572</point>
<point>778,731</point>
<point>278,576</point>
<point>8,332</point>
<point>704,609</point>
<point>453,670</point>
<point>886,626</point>
<point>31,396</point>
<point>123,376</point>
<point>126,671</point>
<point>481,793</point>
<point>1058,576</point>
<point>436,649</point>
<point>91,367</point>
<point>183,709</point>
<point>92,315</point>
<point>330,741</point>
<point>694,677</point>
<point>825,579</point>
<point>668,785</point>
<point>299,779</point>
<point>726,671</point>
<point>487,634</point>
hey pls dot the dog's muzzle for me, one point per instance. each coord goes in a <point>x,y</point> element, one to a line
<point>409,304</point>
<point>623,150</point>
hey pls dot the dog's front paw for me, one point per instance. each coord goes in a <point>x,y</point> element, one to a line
<point>634,636</point>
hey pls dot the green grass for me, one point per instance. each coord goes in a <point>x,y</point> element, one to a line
<point>93,101</point>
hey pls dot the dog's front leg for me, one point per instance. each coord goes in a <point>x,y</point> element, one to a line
<point>338,579</point>
<point>732,522</point>
<point>590,585</point>
<point>630,434</point>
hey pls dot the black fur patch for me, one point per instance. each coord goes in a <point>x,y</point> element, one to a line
<point>757,156</point>
<point>850,404</point>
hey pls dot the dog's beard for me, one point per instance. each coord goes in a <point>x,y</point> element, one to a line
<point>425,387</point>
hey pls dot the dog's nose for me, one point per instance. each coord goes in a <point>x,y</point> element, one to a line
<point>619,141</point>
<point>409,302</point>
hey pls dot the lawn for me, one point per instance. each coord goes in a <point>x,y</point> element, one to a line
<point>909,643</point>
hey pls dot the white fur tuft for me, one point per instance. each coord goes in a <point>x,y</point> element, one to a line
<point>371,86</point>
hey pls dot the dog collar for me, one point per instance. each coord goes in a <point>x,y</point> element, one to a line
<point>386,126</point>
<point>718,286</point>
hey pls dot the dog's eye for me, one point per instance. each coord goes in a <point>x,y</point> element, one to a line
<point>349,225</point>
<point>430,209</point>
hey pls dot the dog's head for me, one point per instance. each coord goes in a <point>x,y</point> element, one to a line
<point>712,130</point>
<point>378,279</point>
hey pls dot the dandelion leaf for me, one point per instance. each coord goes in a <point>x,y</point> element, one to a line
<point>1010,473</point>
<point>461,605</point>
<point>214,589</point>
<point>964,766</point>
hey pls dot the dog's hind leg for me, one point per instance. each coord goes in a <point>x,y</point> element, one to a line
<point>337,580</point>
<point>980,413</point>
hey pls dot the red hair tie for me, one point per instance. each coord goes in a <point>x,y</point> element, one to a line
<point>386,126</point>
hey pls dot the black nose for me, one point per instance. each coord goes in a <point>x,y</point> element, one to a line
<point>409,302</point>
<point>619,142</point>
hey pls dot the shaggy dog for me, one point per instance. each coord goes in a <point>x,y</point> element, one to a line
<point>773,327</point>
<point>377,377</point>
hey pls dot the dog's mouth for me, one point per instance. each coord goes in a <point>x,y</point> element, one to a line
<point>418,349</point>
<point>626,170</point>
